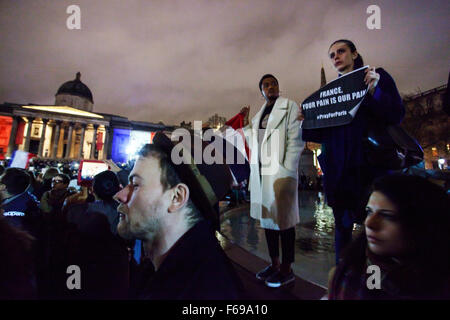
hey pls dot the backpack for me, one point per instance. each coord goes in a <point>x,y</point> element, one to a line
<point>391,147</point>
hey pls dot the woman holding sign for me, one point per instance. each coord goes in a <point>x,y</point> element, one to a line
<point>347,172</point>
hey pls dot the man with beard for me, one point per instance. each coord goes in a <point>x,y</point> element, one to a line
<point>170,207</point>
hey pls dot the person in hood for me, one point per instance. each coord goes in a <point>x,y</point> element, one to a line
<point>20,208</point>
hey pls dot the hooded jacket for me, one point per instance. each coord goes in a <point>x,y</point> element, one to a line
<point>22,211</point>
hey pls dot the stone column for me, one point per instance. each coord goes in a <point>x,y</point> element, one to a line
<point>56,138</point>
<point>41,141</point>
<point>107,145</point>
<point>83,131</point>
<point>26,147</point>
<point>69,140</point>
<point>94,141</point>
<point>12,137</point>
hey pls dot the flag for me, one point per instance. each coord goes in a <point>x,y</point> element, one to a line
<point>19,134</point>
<point>237,123</point>
<point>21,159</point>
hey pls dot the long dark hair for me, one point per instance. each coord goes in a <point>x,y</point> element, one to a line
<point>423,214</point>
<point>358,63</point>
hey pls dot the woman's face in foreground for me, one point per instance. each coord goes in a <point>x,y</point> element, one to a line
<point>384,233</point>
<point>342,58</point>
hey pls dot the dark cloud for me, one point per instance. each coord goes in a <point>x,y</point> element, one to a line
<point>186,60</point>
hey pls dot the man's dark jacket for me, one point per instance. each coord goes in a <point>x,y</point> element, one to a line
<point>196,268</point>
<point>22,211</point>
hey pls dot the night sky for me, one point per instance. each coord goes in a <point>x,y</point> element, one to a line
<point>171,61</point>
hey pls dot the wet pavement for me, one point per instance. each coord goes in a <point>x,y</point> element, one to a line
<point>314,240</point>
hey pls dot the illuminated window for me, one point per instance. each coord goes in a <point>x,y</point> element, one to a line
<point>434,152</point>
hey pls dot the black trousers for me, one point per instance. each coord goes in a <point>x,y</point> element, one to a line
<point>287,244</point>
<point>343,227</point>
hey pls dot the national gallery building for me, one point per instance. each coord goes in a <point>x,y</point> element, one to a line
<point>70,129</point>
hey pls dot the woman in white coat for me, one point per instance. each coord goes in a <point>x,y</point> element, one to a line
<point>274,138</point>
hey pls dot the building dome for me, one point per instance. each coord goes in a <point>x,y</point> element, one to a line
<point>76,88</point>
<point>75,94</point>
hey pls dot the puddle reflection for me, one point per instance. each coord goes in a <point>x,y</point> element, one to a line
<point>314,244</point>
<point>315,233</point>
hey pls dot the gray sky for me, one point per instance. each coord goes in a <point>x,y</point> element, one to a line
<point>167,60</point>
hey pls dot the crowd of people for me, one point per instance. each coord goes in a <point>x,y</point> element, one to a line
<point>140,237</point>
<point>63,226</point>
<point>147,232</point>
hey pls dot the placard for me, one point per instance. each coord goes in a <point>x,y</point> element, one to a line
<point>336,103</point>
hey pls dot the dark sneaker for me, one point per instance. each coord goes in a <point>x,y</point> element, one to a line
<point>266,273</point>
<point>277,279</point>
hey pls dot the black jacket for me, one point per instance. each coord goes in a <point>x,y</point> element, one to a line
<point>196,268</point>
<point>22,211</point>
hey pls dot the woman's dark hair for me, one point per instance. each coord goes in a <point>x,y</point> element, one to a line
<point>423,214</point>
<point>359,60</point>
<point>268,75</point>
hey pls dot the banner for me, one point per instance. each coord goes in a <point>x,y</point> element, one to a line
<point>19,133</point>
<point>336,103</point>
<point>99,143</point>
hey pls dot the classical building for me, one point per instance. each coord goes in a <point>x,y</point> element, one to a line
<point>70,129</point>
<point>216,121</point>
<point>428,121</point>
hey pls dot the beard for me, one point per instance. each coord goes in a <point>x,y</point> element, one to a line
<point>146,230</point>
<point>123,229</point>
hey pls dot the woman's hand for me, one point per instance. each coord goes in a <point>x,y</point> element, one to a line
<point>245,111</point>
<point>300,116</point>
<point>371,79</point>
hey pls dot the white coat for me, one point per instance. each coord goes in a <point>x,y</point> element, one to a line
<point>274,190</point>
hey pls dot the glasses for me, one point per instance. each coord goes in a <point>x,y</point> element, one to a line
<point>57,181</point>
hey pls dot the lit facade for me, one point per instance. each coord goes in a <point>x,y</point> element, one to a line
<point>70,129</point>
<point>216,121</point>
<point>428,121</point>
